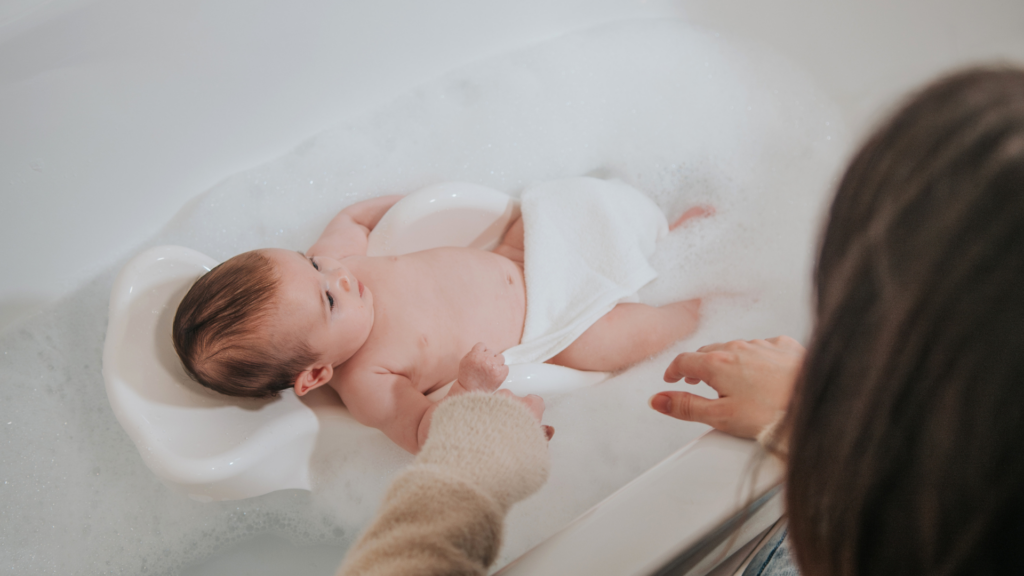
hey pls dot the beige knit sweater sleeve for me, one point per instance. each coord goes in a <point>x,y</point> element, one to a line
<point>444,514</point>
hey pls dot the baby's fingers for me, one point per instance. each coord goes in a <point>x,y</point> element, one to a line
<point>500,373</point>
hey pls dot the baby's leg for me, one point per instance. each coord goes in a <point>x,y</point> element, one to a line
<point>511,246</point>
<point>628,334</point>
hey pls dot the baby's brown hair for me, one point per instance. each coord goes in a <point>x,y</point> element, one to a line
<point>222,336</point>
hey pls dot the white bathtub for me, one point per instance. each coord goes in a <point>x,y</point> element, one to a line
<point>113,116</point>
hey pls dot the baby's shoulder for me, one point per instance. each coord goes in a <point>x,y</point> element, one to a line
<point>364,385</point>
<point>367,369</point>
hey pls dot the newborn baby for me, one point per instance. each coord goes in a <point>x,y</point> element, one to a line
<point>386,331</point>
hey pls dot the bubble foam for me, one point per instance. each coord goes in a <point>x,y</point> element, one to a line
<point>681,114</point>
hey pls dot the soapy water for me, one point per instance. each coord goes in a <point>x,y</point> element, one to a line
<point>681,114</point>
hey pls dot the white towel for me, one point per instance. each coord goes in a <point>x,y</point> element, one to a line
<point>586,243</point>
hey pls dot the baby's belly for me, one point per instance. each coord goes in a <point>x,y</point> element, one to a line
<point>486,294</point>
<point>478,297</point>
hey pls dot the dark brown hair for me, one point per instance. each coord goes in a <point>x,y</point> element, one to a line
<point>907,424</point>
<point>221,331</point>
<point>908,420</point>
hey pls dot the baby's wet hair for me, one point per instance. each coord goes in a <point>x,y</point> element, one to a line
<point>222,331</point>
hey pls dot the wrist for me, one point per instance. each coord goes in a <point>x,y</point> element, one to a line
<point>490,441</point>
<point>771,437</point>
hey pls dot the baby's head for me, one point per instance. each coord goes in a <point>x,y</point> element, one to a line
<point>224,330</point>
<point>272,319</point>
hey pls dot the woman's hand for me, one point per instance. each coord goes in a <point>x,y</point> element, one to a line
<point>536,406</point>
<point>754,380</point>
<point>484,369</point>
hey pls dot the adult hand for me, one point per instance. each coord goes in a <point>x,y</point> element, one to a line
<point>754,380</point>
<point>535,404</point>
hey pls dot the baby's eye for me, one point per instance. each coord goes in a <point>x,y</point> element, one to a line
<point>330,300</point>
<point>313,262</point>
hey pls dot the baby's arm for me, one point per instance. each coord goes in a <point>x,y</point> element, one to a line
<point>346,234</point>
<point>390,403</point>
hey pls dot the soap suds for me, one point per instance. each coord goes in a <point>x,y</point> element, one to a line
<point>681,114</point>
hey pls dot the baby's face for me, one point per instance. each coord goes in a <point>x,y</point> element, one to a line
<point>320,300</point>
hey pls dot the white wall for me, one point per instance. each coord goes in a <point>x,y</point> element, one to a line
<point>113,113</point>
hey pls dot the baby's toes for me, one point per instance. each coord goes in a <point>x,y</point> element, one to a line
<point>691,214</point>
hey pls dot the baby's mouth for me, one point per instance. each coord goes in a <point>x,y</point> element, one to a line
<point>360,287</point>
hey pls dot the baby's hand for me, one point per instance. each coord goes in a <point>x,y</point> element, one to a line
<point>482,369</point>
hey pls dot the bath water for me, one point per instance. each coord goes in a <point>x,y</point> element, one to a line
<point>682,114</point>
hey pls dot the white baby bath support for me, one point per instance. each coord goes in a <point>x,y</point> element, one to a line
<point>214,447</point>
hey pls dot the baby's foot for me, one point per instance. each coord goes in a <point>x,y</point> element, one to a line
<point>482,369</point>
<point>692,213</point>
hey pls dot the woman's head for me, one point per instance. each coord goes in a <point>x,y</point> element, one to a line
<point>910,410</point>
<point>224,331</point>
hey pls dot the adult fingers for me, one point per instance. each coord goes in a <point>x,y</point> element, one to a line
<point>712,347</point>
<point>787,343</point>
<point>684,406</point>
<point>690,365</point>
<point>536,405</point>
<point>533,402</point>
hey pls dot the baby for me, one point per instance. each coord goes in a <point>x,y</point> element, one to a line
<point>386,331</point>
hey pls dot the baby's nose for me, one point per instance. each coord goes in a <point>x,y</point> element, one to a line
<point>345,282</point>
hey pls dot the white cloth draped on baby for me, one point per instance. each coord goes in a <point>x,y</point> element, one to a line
<point>587,244</point>
<point>214,447</point>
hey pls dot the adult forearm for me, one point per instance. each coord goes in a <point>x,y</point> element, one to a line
<point>444,514</point>
<point>430,523</point>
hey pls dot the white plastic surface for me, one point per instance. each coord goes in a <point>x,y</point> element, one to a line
<point>449,214</point>
<point>208,445</point>
<point>215,447</point>
<point>661,513</point>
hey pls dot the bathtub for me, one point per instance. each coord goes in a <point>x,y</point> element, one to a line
<point>115,116</point>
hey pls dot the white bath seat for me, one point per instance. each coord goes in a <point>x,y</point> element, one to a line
<point>215,447</point>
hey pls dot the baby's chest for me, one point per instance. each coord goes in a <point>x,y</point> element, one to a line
<point>445,292</point>
<point>427,354</point>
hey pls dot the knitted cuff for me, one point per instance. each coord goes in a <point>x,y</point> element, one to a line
<point>490,441</point>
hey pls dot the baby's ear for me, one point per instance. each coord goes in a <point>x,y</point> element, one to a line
<point>315,377</point>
